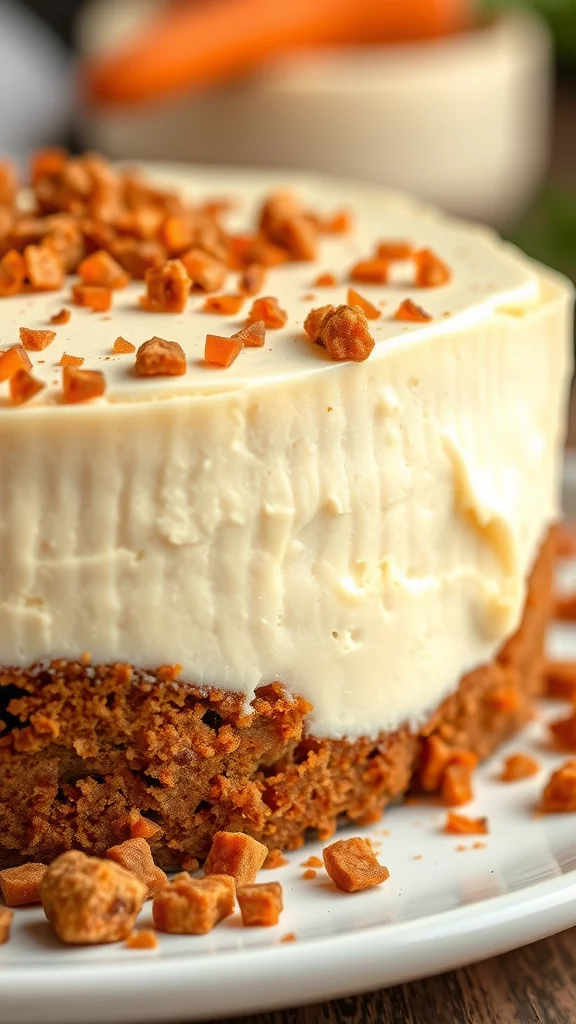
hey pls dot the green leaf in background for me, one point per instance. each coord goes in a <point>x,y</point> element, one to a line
<point>548,231</point>
<point>560,15</point>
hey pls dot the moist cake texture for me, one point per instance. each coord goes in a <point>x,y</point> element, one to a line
<point>242,598</point>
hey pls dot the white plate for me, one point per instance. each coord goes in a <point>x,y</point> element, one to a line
<point>441,908</point>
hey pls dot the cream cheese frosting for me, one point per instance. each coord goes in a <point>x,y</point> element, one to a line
<point>360,532</point>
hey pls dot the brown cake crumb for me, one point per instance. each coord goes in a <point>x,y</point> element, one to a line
<point>62,317</point>
<point>409,311</point>
<point>374,271</point>
<point>143,938</point>
<point>519,766</point>
<point>160,358</point>
<point>260,904</point>
<point>123,347</point>
<point>456,788</point>
<point>90,901</point>
<point>193,906</point>
<point>81,385</point>
<point>226,305</point>
<point>92,296</point>
<point>343,332</point>
<point>560,790</point>
<point>564,731</point>
<point>21,885</point>
<point>275,859</point>
<point>435,756</point>
<point>14,359</point>
<point>23,387</point>
<point>253,335</point>
<point>100,268</point>
<point>252,279</point>
<point>431,271</point>
<point>315,319</point>
<point>460,824</point>
<point>68,360</point>
<point>6,917</point>
<point>135,856</point>
<point>268,310</point>
<point>371,312</point>
<point>191,864</point>
<point>167,288</point>
<point>206,273</point>
<point>141,827</point>
<point>235,854</point>
<point>560,679</point>
<point>312,862</point>
<point>309,874</point>
<point>36,341</point>
<point>352,865</point>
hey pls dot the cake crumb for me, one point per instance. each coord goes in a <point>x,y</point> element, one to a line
<point>417,856</point>
<point>191,864</point>
<point>478,845</point>
<point>352,866</point>
<point>460,823</point>
<point>6,917</point>
<point>411,312</point>
<point>68,360</point>
<point>560,790</point>
<point>193,906</point>
<point>143,938</point>
<point>342,330</point>
<point>260,904</point>
<point>21,886</point>
<point>275,859</point>
<point>62,317</point>
<point>135,855</point>
<point>167,288</point>
<point>456,786</point>
<point>519,766</point>
<point>268,310</point>
<point>309,874</point>
<point>312,862</point>
<point>235,854</point>
<point>289,937</point>
<point>160,358</point>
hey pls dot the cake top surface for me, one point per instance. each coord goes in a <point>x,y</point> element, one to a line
<point>486,275</point>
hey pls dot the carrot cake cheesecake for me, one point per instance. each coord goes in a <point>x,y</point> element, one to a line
<point>278,472</point>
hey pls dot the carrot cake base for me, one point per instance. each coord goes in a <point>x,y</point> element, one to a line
<point>92,754</point>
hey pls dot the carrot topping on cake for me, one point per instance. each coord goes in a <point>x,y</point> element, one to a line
<point>338,223</point>
<point>259,250</point>
<point>394,250</point>
<point>260,904</point>
<point>193,906</point>
<point>160,358</point>
<point>93,296</point>
<point>48,163</point>
<point>235,854</point>
<point>6,917</point>
<point>519,766</point>
<point>21,885</point>
<point>460,824</point>
<point>23,387</point>
<point>206,273</point>
<point>167,288</point>
<point>564,731</point>
<point>44,268</point>
<point>142,938</point>
<point>375,271</point>
<point>456,788</point>
<point>275,859</point>
<point>62,317</point>
<point>268,310</point>
<point>141,827</point>
<point>14,359</point>
<point>68,360</point>
<point>227,305</point>
<point>309,874</point>
<point>122,347</point>
<point>89,901</point>
<point>12,273</point>
<point>135,855</point>
<point>102,269</point>
<point>560,678</point>
<point>299,237</point>
<point>431,271</point>
<point>35,341</point>
<point>352,865</point>
<point>436,756</point>
<point>176,234</point>
<point>325,280</point>
<point>371,312</point>
<point>565,538</point>
<point>219,351</point>
<point>408,310</point>
<point>560,791</point>
<point>342,330</point>
<point>81,385</point>
<point>8,183</point>
<point>136,257</point>
<point>252,279</point>
<point>312,862</point>
<point>253,335</point>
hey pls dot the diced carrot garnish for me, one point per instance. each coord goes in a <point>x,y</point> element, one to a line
<point>268,310</point>
<point>123,347</point>
<point>66,360</point>
<point>35,341</point>
<point>457,785</point>
<point>221,351</point>
<point>14,359</point>
<point>265,253</point>
<point>160,358</point>
<point>460,824</point>
<point>325,281</point>
<point>239,247</point>
<point>23,386</point>
<point>44,267</point>
<point>176,234</point>
<point>12,272</point>
<point>252,279</point>
<point>560,792</point>
<point>93,296</point>
<point>394,250</point>
<point>253,335</point>
<point>205,272</point>
<point>519,766</point>
<point>228,305</point>
<point>62,317</point>
<point>371,312</point>
<point>431,271</point>
<point>167,288</point>
<point>371,271</point>
<point>102,269</point>
<point>81,385</point>
<point>409,311</point>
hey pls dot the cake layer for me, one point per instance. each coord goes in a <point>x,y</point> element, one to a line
<point>92,755</point>
<point>361,532</point>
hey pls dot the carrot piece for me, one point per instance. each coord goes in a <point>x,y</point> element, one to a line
<point>253,335</point>
<point>123,347</point>
<point>175,234</point>
<point>12,272</point>
<point>339,223</point>
<point>221,351</point>
<point>23,386</point>
<point>564,732</point>
<point>431,271</point>
<point>375,271</point>
<point>565,610</point>
<point>457,785</point>
<point>394,250</point>
<point>266,253</point>
<point>325,281</point>
<point>167,288</point>
<point>205,272</point>
<point>409,311</point>
<point>12,360</point>
<point>35,341</point>
<point>371,312</point>
<point>67,360</point>
<point>460,824</point>
<point>48,163</point>
<point>62,317</point>
<point>44,268</point>
<point>81,385</point>
<point>93,296</point>
<point>268,310</point>
<point>519,766</point>
<point>102,269</point>
<point>560,679</point>
<point>227,305</point>
<point>252,280</point>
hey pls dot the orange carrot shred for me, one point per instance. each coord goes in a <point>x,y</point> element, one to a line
<point>221,351</point>
<point>371,312</point>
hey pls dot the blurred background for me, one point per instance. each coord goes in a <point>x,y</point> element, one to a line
<point>468,103</point>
